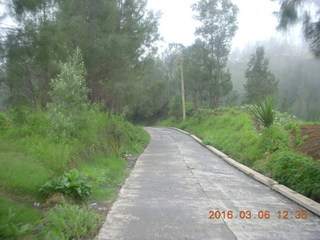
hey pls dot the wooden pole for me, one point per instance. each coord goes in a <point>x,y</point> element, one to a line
<point>182,92</point>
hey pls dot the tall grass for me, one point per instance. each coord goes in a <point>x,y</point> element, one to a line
<point>30,154</point>
<point>69,222</point>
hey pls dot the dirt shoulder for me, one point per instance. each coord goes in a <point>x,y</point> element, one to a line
<point>311,146</point>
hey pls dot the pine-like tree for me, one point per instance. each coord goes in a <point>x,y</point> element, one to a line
<point>218,20</point>
<point>261,82</point>
<point>294,11</point>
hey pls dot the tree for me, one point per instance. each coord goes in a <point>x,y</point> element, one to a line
<point>261,82</point>
<point>218,27</point>
<point>69,95</point>
<point>115,37</point>
<point>195,76</point>
<point>293,11</point>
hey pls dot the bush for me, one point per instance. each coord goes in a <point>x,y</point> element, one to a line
<point>69,184</point>
<point>264,111</point>
<point>11,229</point>
<point>19,114</point>
<point>69,222</point>
<point>296,171</point>
<point>69,104</point>
<point>4,121</point>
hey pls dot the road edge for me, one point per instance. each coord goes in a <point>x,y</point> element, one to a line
<point>307,203</point>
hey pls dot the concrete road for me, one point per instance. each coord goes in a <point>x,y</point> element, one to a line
<point>177,182</point>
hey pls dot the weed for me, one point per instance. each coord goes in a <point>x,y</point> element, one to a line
<point>296,171</point>
<point>31,154</point>
<point>69,222</point>
<point>70,184</point>
<point>4,122</point>
<point>274,138</point>
<point>17,220</point>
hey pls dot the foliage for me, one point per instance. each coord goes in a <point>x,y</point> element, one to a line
<point>19,114</point>
<point>264,111</point>
<point>275,138</point>
<point>29,149</point>
<point>229,130</point>
<point>291,11</point>
<point>298,73</point>
<point>17,220</point>
<point>218,27</point>
<point>69,222</point>
<point>260,81</point>
<point>115,37</point>
<point>296,171</point>
<point>196,79</point>
<point>10,229</point>
<point>69,104</point>
<point>70,184</point>
<point>104,175</point>
<point>4,121</point>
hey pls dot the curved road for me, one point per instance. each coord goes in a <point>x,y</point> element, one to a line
<point>176,183</point>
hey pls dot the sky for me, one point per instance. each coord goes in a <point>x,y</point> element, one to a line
<point>256,22</point>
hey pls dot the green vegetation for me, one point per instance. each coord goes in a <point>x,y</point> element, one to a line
<point>16,219</point>
<point>264,111</point>
<point>69,222</point>
<point>69,184</point>
<point>261,82</point>
<point>30,155</point>
<point>72,149</point>
<point>271,151</point>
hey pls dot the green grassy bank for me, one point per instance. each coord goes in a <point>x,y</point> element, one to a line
<point>31,154</point>
<point>271,151</point>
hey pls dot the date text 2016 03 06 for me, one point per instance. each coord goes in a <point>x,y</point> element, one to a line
<point>299,214</point>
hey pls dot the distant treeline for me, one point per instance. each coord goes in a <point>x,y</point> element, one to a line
<point>297,71</point>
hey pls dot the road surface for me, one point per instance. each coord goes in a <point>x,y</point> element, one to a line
<point>177,185</point>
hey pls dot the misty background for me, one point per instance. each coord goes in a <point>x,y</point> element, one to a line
<point>132,76</point>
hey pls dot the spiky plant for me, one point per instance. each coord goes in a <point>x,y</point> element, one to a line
<point>264,111</point>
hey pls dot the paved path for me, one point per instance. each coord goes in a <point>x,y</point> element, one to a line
<point>176,182</point>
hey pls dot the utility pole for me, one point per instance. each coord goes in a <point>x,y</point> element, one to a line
<point>182,91</point>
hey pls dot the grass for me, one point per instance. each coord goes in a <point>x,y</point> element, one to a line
<point>105,174</point>
<point>16,219</point>
<point>30,154</point>
<point>271,151</point>
<point>69,222</point>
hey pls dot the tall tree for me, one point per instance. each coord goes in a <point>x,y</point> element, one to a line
<point>218,20</point>
<point>115,37</point>
<point>261,82</point>
<point>195,77</point>
<point>308,11</point>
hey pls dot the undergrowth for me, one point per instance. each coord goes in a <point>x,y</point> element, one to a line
<point>31,155</point>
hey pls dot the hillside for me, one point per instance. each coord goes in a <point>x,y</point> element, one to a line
<point>277,151</point>
<point>78,170</point>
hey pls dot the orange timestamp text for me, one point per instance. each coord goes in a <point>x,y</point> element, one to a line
<point>263,214</point>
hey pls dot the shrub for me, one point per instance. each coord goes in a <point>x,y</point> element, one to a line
<point>69,184</point>
<point>4,121</point>
<point>264,111</point>
<point>69,97</point>
<point>274,138</point>
<point>296,171</point>
<point>11,229</point>
<point>69,222</point>
<point>19,114</point>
